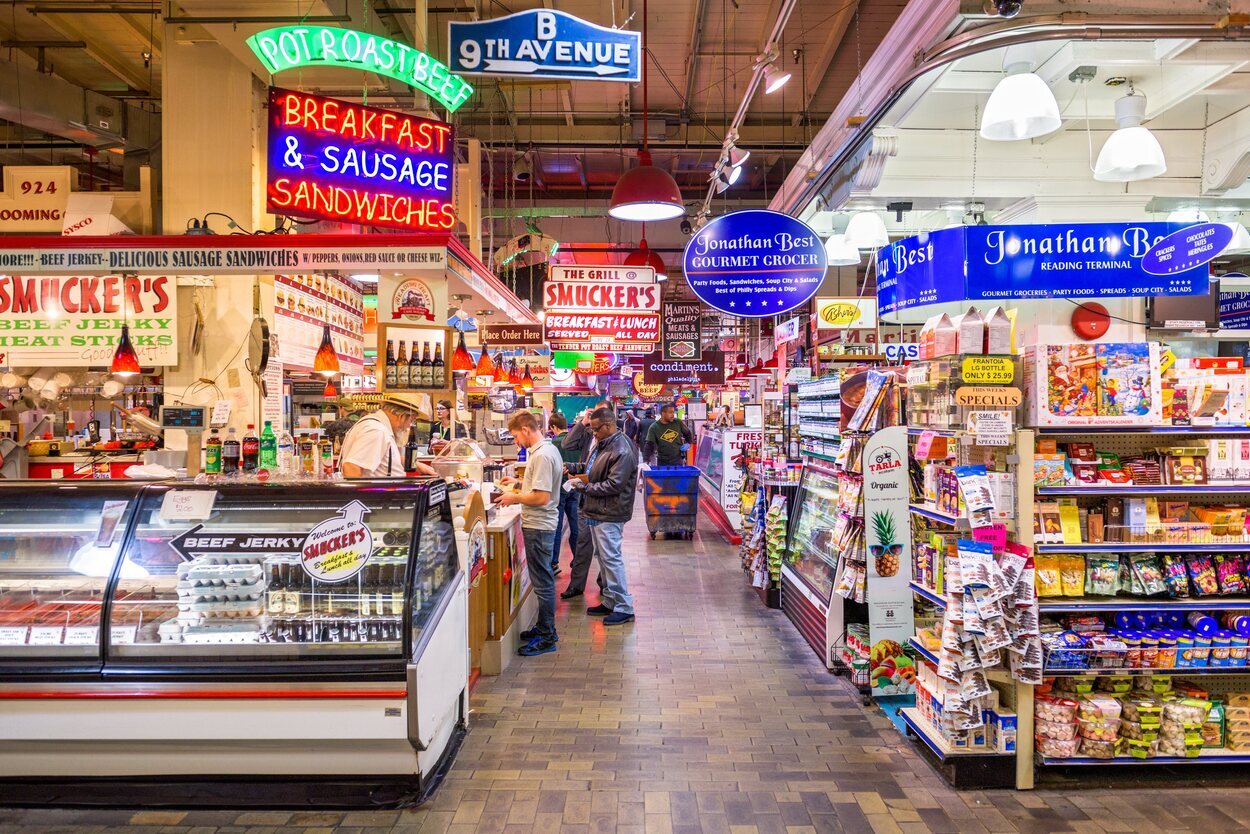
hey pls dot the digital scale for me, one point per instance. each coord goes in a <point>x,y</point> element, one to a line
<point>193,419</point>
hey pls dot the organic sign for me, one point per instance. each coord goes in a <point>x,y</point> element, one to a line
<point>544,43</point>
<point>683,330</point>
<point>75,321</point>
<point>851,312</point>
<point>988,370</point>
<point>755,263</point>
<point>1187,249</point>
<point>710,370</point>
<point>887,534</point>
<point>607,332</point>
<point>291,47</point>
<point>341,161</point>
<point>339,547</point>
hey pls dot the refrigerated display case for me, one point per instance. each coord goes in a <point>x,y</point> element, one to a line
<point>811,558</point>
<point>281,637</point>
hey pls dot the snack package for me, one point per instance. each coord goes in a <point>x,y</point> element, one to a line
<point>1098,708</point>
<point>1138,730</point>
<point>1202,574</point>
<point>1175,575</point>
<point>1062,731</point>
<point>1098,748</point>
<point>1102,575</point>
<point>1230,572</point>
<point>1147,572</point>
<point>1046,575</point>
<point>1072,574</point>
<point>1055,709</point>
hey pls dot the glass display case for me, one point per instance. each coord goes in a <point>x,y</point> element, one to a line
<point>811,554</point>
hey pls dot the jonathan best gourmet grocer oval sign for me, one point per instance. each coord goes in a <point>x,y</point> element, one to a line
<point>755,263</point>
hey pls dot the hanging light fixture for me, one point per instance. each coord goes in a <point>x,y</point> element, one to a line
<point>758,369</point>
<point>527,381</point>
<point>646,192</point>
<point>1240,241</point>
<point>501,370</point>
<point>461,359</point>
<point>125,361</point>
<point>774,77</point>
<point>1131,153</point>
<point>514,374</point>
<point>326,362</point>
<point>867,231</point>
<point>841,252</point>
<point>646,256</point>
<point>720,179</point>
<point>1021,106</point>
<point>330,392</point>
<point>485,369</point>
<point>1188,215</point>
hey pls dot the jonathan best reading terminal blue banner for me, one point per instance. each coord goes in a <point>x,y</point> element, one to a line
<point>544,43</point>
<point>1079,261</point>
<point>755,263</point>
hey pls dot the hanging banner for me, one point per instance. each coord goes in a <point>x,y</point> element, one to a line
<point>755,263</point>
<point>1235,311</point>
<point>683,330</point>
<point>512,335</point>
<point>786,332</point>
<point>303,304</point>
<point>887,527</point>
<point>544,43</point>
<point>710,370</point>
<point>74,322</point>
<point>600,272</point>
<point>1081,261</point>
<point>335,160</point>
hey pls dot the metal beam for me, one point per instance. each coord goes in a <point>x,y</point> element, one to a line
<point>43,44</point>
<point>150,35</point>
<point>828,50</point>
<point>692,63</point>
<point>102,55</point>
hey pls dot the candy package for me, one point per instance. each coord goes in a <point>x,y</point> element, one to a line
<point>1141,710</point>
<point>1098,708</point>
<point>1055,709</point>
<point>1202,574</point>
<point>1148,573</point>
<point>1072,574</point>
<point>1057,748</point>
<point>1099,730</point>
<point>1098,748</point>
<point>1102,575</point>
<point>1046,575</point>
<point>1054,729</point>
<point>1175,576</point>
<point>1230,572</point>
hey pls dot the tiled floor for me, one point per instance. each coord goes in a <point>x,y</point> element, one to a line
<point>709,714</point>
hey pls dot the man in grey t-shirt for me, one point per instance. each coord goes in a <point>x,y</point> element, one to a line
<point>540,507</point>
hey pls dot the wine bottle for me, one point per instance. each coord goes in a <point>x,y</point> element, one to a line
<point>402,378</point>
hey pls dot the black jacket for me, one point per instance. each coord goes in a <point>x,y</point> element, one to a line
<point>578,439</point>
<point>609,495</point>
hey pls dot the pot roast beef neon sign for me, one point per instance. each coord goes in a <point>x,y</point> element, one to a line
<point>290,47</point>
<point>336,160</point>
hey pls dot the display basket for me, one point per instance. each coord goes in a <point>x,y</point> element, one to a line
<point>670,498</point>
<point>1078,659</point>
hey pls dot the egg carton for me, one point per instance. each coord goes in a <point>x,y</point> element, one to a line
<point>230,559</point>
<point>189,619</point>
<point>200,574</point>
<point>220,634</point>
<point>170,632</point>
<point>233,608</point>
<point>209,593</point>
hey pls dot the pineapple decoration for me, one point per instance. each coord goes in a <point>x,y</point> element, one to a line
<point>886,551</point>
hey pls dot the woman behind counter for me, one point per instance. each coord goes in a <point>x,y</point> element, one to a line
<point>445,427</point>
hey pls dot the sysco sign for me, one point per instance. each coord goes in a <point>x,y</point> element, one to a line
<point>755,263</point>
<point>341,161</point>
<point>1084,260</point>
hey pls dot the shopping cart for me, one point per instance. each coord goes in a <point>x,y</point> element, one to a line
<point>670,497</point>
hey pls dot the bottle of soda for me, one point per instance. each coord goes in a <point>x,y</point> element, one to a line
<point>231,451</point>
<point>268,449</point>
<point>251,449</point>
<point>212,454</point>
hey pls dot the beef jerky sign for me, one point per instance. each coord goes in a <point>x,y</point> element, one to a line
<point>683,331</point>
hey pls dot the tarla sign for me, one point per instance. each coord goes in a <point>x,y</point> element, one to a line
<point>336,160</point>
<point>544,43</point>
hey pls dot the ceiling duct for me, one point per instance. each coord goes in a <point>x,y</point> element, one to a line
<point>57,107</point>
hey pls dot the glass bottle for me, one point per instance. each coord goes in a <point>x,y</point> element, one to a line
<point>392,370</point>
<point>403,378</point>
<point>268,448</point>
<point>427,367</point>
<point>212,454</point>
<point>231,451</point>
<point>410,450</point>
<point>277,588</point>
<point>325,449</point>
<point>438,378</point>
<point>414,368</point>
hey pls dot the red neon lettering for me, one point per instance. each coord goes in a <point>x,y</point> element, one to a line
<point>364,124</point>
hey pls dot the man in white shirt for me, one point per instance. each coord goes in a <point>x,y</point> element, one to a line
<point>540,508</point>
<point>371,448</point>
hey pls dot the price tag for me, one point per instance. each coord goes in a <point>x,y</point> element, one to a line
<point>988,370</point>
<point>923,445</point>
<point>46,635</point>
<point>82,635</point>
<point>6,425</point>
<point>122,635</point>
<point>188,504</point>
<point>990,428</point>
<point>13,635</point>
<point>221,413</point>
<point>995,535</point>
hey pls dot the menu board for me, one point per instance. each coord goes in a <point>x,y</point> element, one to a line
<point>683,330</point>
<point>303,304</point>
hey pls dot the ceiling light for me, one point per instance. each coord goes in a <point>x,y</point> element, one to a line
<point>1240,241</point>
<point>1131,153</point>
<point>774,78</point>
<point>1021,106</point>
<point>527,381</point>
<point>720,180</point>
<point>1003,8</point>
<point>646,256</point>
<point>841,252</point>
<point>366,277</point>
<point>867,231</point>
<point>734,154</point>
<point>1188,215</point>
<point>461,359</point>
<point>326,362</point>
<point>501,370</point>
<point>645,193</point>
<point>485,370</point>
<point>125,360</point>
<point>758,369</point>
<point>521,168</point>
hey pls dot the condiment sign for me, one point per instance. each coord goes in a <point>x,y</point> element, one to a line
<point>850,312</point>
<point>683,330</point>
<point>292,47</point>
<point>341,161</point>
<point>755,263</point>
<point>75,321</point>
<point>512,335</point>
<point>988,370</point>
<point>339,547</point>
<point>598,272</point>
<point>710,370</point>
<point>985,397</point>
<point>544,43</point>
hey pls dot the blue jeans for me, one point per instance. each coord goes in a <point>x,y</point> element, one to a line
<point>607,538</point>
<point>568,509</point>
<point>543,580</point>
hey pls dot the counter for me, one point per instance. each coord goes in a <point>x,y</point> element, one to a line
<point>511,605</point>
<point>79,465</point>
<point>720,479</point>
<point>277,638</point>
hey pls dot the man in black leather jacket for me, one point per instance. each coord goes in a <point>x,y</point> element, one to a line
<point>608,481</point>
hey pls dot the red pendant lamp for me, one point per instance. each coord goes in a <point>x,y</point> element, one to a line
<point>484,368</point>
<point>326,362</point>
<point>527,381</point>
<point>758,369</point>
<point>514,374</point>
<point>461,359</point>
<point>125,360</point>
<point>330,392</point>
<point>501,370</point>
<point>645,256</point>
<point>646,192</point>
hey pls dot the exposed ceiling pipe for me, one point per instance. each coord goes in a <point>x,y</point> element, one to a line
<point>757,75</point>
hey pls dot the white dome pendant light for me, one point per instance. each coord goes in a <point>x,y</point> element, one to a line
<point>1131,153</point>
<point>1021,106</point>
<point>867,231</point>
<point>841,252</point>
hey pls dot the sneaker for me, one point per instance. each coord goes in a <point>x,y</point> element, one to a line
<point>569,594</point>
<point>555,571</point>
<point>530,633</point>
<point>537,646</point>
<point>618,619</point>
<point>599,610</point>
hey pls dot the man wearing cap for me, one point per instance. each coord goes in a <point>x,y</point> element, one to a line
<point>371,447</point>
